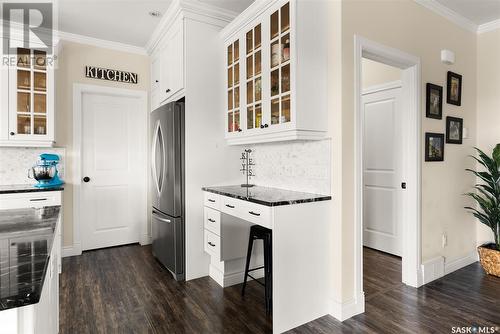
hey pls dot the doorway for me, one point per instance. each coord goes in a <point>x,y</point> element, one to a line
<point>111,180</point>
<point>387,164</point>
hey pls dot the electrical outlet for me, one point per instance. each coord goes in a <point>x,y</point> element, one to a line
<point>444,240</point>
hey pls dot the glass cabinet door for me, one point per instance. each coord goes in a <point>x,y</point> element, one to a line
<point>31,92</point>
<point>280,70</point>
<point>254,77</point>
<point>233,87</point>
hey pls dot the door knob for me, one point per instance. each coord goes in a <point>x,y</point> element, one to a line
<point>86,179</point>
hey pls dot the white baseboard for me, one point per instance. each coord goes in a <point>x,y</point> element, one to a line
<point>451,266</point>
<point>439,267</point>
<point>345,310</point>
<point>145,240</point>
<point>432,269</point>
<point>73,250</point>
<point>229,279</point>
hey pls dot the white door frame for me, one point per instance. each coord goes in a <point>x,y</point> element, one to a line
<point>410,66</point>
<point>78,91</point>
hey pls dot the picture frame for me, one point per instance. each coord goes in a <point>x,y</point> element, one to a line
<point>434,146</point>
<point>454,89</point>
<point>434,101</point>
<point>454,130</point>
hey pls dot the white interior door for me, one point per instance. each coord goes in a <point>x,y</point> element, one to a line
<point>382,165</point>
<point>113,159</point>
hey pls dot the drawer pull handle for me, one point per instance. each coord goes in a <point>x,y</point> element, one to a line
<point>211,220</point>
<point>254,213</point>
<point>211,244</point>
<point>230,206</point>
<point>211,200</point>
<point>37,199</point>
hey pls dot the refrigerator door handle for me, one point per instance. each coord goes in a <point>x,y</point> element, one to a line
<point>161,219</point>
<point>158,178</point>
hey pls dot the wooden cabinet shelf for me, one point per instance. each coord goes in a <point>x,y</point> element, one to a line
<point>284,99</point>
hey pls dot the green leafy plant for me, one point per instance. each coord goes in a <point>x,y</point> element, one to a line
<point>487,194</point>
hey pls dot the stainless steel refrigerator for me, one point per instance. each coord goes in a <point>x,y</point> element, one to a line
<point>167,160</point>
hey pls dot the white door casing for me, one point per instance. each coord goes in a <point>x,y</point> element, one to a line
<point>382,165</point>
<point>110,148</point>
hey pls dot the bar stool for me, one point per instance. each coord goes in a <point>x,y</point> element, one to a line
<point>258,232</point>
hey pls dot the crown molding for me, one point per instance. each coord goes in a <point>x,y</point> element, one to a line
<point>102,43</point>
<point>211,14</point>
<point>247,16</point>
<point>489,26</point>
<point>449,14</point>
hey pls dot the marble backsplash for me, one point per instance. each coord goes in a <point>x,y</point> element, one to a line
<point>15,162</point>
<point>301,166</point>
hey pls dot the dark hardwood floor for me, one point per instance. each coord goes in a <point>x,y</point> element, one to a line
<point>124,290</point>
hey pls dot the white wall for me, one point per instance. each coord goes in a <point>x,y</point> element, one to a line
<point>488,102</point>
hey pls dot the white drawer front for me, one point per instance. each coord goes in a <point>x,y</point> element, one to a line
<point>212,200</point>
<point>232,206</point>
<point>258,214</point>
<point>212,245</point>
<point>212,220</point>
<point>30,200</point>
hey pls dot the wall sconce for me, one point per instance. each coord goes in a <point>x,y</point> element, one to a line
<point>447,57</point>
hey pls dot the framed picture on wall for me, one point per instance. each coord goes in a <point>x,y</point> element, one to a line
<point>434,146</point>
<point>454,89</point>
<point>434,101</point>
<point>454,130</point>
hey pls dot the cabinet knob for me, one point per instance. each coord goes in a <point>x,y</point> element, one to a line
<point>167,91</point>
<point>265,125</point>
<point>239,130</point>
<point>157,81</point>
<point>262,126</point>
<point>12,133</point>
<point>86,179</point>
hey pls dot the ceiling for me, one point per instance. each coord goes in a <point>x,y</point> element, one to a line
<point>123,21</point>
<point>477,11</point>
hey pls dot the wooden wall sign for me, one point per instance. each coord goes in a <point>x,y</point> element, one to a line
<point>110,75</point>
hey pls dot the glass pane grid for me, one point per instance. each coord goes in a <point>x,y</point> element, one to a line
<point>280,81</point>
<point>233,97</point>
<point>254,77</point>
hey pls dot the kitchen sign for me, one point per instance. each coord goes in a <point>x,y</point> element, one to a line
<point>110,75</point>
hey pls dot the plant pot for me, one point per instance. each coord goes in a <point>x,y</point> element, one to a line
<point>489,257</point>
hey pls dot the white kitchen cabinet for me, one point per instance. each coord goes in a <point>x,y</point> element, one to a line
<point>27,85</point>
<point>276,72</point>
<point>167,66</point>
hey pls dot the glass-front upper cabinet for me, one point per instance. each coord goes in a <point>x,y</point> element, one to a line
<point>233,87</point>
<point>31,102</point>
<point>280,70</point>
<point>254,77</point>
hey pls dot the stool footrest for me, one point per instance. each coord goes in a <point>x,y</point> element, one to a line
<point>256,280</point>
<point>249,270</point>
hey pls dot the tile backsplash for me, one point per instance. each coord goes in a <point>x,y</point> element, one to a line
<point>15,162</point>
<point>301,166</point>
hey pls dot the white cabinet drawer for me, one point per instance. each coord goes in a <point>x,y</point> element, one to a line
<point>258,214</point>
<point>30,200</point>
<point>252,212</point>
<point>212,200</point>
<point>212,220</point>
<point>212,244</point>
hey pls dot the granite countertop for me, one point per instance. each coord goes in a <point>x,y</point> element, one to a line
<point>267,196</point>
<point>25,188</point>
<point>26,238</point>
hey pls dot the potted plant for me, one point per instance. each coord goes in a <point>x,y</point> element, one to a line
<point>487,196</point>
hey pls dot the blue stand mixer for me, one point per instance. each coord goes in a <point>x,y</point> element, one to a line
<point>45,171</point>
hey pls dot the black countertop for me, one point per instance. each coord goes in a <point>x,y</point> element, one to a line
<point>267,196</point>
<point>25,188</point>
<point>26,238</point>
